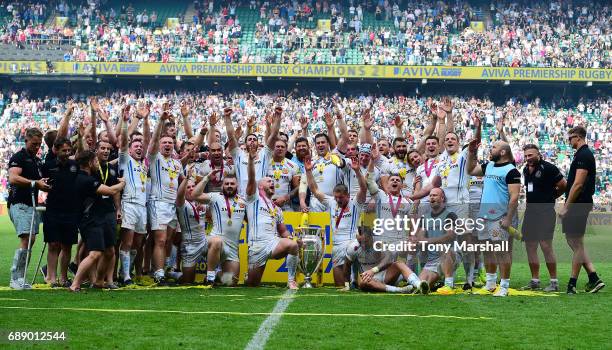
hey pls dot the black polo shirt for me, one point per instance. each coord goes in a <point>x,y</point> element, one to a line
<point>583,159</point>
<point>87,199</point>
<point>540,184</point>
<point>63,196</point>
<point>30,169</point>
<point>106,175</point>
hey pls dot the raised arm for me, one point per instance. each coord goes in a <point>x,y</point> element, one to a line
<point>154,144</point>
<point>366,132</point>
<point>429,130</point>
<point>212,128</point>
<point>94,121</point>
<point>274,127</point>
<point>447,107</point>
<point>370,182</point>
<point>343,142</point>
<point>311,181</point>
<point>331,132</point>
<point>186,122</point>
<point>180,193</point>
<point>229,129</point>
<point>123,141</point>
<point>62,131</point>
<point>500,129</point>
<point>398,126</point>
<point>251,188</point>
<point>473,167</point>
<point>361,194</point>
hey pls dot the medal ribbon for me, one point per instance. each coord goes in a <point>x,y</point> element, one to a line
<point>429,168</point>
<point>102,175</point>
<point>342,211</point>
<point>196,214</point>
<point>399,201</point>
<point>229,208</point>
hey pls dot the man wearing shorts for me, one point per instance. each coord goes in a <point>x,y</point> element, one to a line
<point>502,184</point>
<point>543,184</point>
<point>228,211</point>
<point>133,200</point>
<point>578,204</point>
<point>164,184</point>
<point>345,215</point>
<point>25,181</point>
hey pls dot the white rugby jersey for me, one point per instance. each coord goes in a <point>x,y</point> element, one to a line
<point>191,222</point>
<point>396,166</point>
<point>223,225</point>
<point>215,182</point>
<point>453,171</point>
<point>402,206</point>
<point>282,173</point>
<point>263,217</point>
<point>164,177</point>
<point>135,175</point>
<point>428,167</point>
<point>344,223</point>
<point>350,180</point>
<point>328,173</point>
<point>241,163</point>
<point>475,188</point>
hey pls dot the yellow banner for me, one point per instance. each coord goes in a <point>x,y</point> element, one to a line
<point>310,71</point>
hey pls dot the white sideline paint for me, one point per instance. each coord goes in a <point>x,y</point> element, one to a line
<point>260,338</point>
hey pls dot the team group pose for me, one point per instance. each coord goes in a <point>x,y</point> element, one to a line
<point>180,196</point>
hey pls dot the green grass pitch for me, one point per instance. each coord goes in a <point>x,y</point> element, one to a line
<point>227,318</point>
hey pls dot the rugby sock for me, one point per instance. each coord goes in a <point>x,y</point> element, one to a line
<point>593,277</point>
<point>133,253</point>
<point>394,289</point>
<point>291,267</point>
<point>449,282</point>
<point>210,276</point>
<point>535,280</point>
<point>554,281</point>
<point>124,257</point>
<point>468,267</point>
<point>572,281</point>
<point>491,280</point>
<point>504,283</point>
<point>414,279</point>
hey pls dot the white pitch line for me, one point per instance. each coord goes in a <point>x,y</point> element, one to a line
<point>260,338</point>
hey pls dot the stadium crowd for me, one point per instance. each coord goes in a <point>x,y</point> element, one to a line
<point>534,34</point>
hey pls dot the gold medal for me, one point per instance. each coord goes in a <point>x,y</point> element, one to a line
<point>277,186</point>
<point>320,168</point>
<point>229,222</point>
<point>402,173</point>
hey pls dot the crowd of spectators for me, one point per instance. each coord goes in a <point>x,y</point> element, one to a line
<point>532,34</point>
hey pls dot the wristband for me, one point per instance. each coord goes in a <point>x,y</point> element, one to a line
<point>33,184</point>
<point>375,269</point>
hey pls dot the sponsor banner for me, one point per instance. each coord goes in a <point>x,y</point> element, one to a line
<point>311,71</point>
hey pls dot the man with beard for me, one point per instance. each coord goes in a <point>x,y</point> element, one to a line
<point>363,158</point>
<point>25,182</point>
<point>96,233</point>
<point>543,184</point>
<point>133,200</point>
<point>329,171</point>
<point>261,158</point>
<point>302,150</point>
<point>399,166</point>
<point>384,148</point>
<point>426,172</point>
<point>109,209</point>
<point>502,185</point>
<point>228,212</point>
<point>215,160</point>
<point>61,218</point>
<point>265,227</point>
<point>164,184</point>
<point>286,175</point>
<point>345,216</point>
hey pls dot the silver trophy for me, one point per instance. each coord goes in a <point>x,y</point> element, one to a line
<point>311,252</point>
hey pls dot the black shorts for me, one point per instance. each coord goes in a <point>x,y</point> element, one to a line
<point>99,233</point>
<point>60,227</point>
<point>575,221</point>
<point>538,225</point>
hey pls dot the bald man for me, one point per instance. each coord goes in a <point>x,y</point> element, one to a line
<point>268,235</point>
<point>502,184</point>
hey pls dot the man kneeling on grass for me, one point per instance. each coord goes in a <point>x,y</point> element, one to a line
<point>377,271</point>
